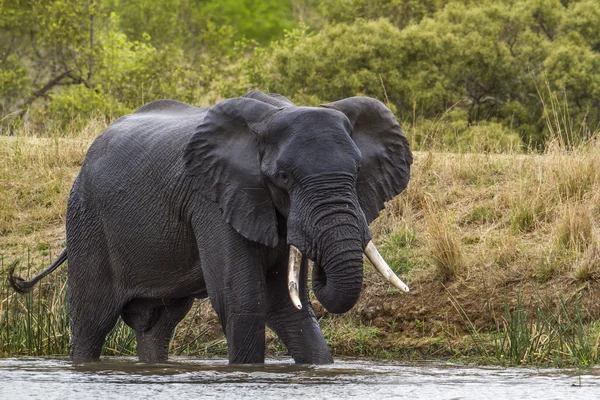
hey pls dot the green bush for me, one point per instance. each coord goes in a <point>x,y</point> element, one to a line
<point>488,137</point>
<point>14,83</point>
<point>452,132</point>
<point>474,74</point>
<point>399,12</point>
<point>77,102</point>
<point>137,72</point>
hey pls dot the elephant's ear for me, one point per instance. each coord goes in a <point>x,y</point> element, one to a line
<point>386,155</point>
<point>223,158</point>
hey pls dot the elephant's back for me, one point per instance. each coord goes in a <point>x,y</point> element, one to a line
<point>139,156</point>
<point>133,185</point>
<point>157,127</point>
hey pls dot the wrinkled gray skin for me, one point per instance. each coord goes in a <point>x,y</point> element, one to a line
<point>175,202</point>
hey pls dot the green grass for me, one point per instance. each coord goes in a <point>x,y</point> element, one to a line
<point>347,335</point>
<point>484,214</point>
<point>37,323</point>
<point>547,333</point>
<point>544,332</point>
<point>397,249</point>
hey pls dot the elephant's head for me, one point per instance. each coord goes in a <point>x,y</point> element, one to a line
<point>315,177</point>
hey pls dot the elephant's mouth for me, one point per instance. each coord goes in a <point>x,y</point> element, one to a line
<point>295,259</point>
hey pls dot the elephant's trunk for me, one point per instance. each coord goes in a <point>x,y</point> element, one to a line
<point>338,270</point>
<point>327,225</point>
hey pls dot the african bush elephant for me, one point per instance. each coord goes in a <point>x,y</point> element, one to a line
<point>175,202</point>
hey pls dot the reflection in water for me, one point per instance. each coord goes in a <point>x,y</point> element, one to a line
<point>185,378</point>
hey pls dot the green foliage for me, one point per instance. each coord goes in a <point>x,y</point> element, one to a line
<point>399,12</point>
<point>475,76</point>
<point>573,75</point>
<point>487,59</point>
<point>82,58</point>
<point>191,24</point>
<point>453,132</point>
<point>340,61</point>
<point>487,137</point>
<point>77,102</point>
<point>259,20</point>
<point>14,81</point>
<point>582,21</point>
<point>159,21</point>
<point>137,72</point>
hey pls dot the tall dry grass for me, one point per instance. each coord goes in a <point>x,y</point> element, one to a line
<point>444,247</point>
<point>36,174</point>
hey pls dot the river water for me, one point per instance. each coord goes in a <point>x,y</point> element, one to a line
<point>186,378</point>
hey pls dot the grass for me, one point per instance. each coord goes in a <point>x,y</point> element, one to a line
<point>481,239</point>
<point>397,248</point>
<point>34,324</point>
<point>588,267</point>
<point>546,332</point>
<point>348,335</point>
<point>445,251</point>
<point>574,229</point>
<point>37,324</point>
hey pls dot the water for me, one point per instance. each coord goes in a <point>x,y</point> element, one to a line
<point>185,378</point>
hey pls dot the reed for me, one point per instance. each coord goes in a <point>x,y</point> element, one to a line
<point>37,324</point>
<point>547,332</point>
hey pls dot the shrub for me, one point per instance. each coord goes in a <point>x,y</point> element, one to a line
<point>79,103</point>
<point>444,249</point>
<point>575,228</point>
<point>588,268</point>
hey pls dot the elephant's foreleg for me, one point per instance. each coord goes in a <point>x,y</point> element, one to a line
<point>154,322</point>
<point>237,294</point>
<point>299,330</point>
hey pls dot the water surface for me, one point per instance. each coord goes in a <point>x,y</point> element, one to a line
<point>187,378</point>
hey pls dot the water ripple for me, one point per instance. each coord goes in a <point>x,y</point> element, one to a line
<point>187,378</point>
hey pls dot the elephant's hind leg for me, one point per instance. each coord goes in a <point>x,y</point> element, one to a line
<point>154,322</point>
<point>93,314</point>
<point>88,332</point>
<point>93,306</point>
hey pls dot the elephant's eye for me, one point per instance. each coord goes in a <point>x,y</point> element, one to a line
<point>283,176</point>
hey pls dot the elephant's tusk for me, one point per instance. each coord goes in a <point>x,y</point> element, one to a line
<point>294,276</point>
<point>383,268</point>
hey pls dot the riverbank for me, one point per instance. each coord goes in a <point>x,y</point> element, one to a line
<point>501,252</point>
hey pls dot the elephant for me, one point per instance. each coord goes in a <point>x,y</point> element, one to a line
<point>235,202</point>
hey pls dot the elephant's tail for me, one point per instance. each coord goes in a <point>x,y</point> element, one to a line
<point>23,286</point>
